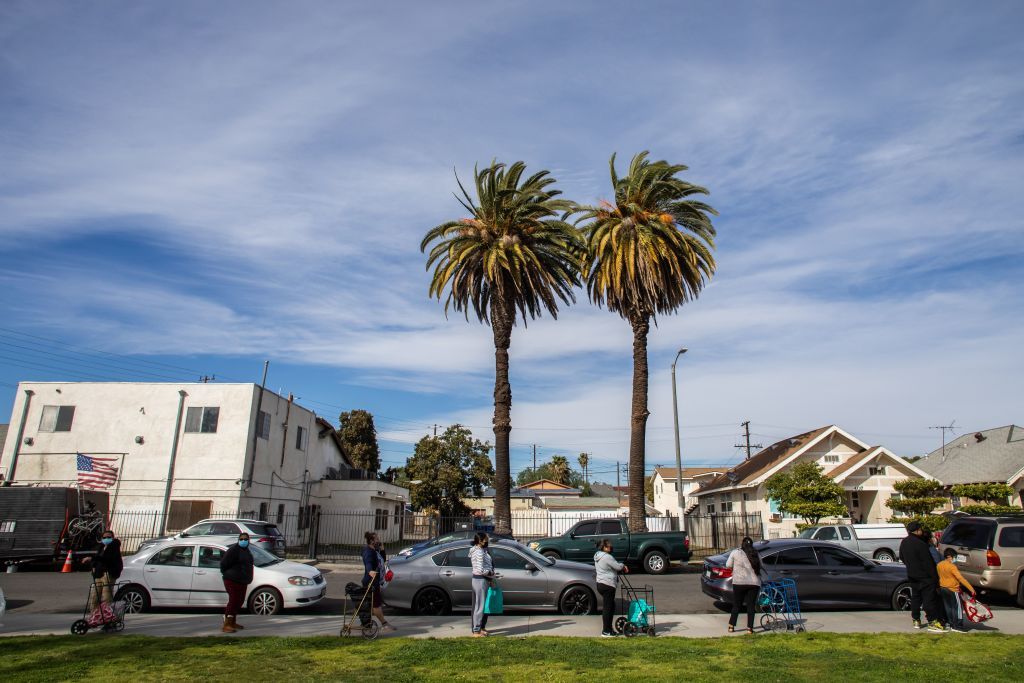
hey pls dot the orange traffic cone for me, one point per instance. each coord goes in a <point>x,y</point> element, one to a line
<point>68,566</point>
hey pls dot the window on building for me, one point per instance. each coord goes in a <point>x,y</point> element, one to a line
<point>832,459</point>
<point>300,438</point>
<point>380,519</point>
<point>746,497</point>
<point>263,425</point>
<point>709,508</point>
<point>280,513</point>
<point>854,499</point>
<point>264,508</point>
<point>876,471</point>
<point>57,418</point>
<point>202,419</point>
<point>897,513</point>
<point>726,504</point>
<point>185,513</point>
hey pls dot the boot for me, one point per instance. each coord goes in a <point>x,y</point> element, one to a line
<point>234,622</point>
<point>229,625</point>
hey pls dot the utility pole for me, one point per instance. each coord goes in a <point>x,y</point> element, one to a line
<point>618,484</point>
<point>535,460</point>
<point>748,446</point>
<point>679,462</point>
<point>949,427</point>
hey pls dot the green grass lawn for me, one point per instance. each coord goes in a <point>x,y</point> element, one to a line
<point>824,657</point>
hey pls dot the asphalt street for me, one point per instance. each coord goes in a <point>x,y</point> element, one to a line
<point>35,592</point>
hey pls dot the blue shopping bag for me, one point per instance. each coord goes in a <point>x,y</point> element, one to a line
<point>494,603</point>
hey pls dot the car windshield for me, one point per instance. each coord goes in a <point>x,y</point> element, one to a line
<point>261,558</point>
<point>807,533</point>
<point>537,558</point>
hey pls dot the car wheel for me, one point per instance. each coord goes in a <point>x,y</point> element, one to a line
<point>885,555</point>
<point>264,602</point>
<point>901,597</point>
<point>431,601</point>
<point>655,562</point>
<point>577,601</point>
<point>1020,591</point>
<point>552,554</point>
<point>135,599</point>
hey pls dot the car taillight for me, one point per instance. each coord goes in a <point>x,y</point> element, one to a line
<point>265,539</point>
<point>721,572</point>
<point>992,558</point>
<point>686,542</point>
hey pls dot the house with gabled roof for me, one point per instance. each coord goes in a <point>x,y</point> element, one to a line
<point>867,474</point>
<point>991,456</point>
<point>667,479</point>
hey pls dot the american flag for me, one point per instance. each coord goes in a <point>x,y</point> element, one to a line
<point>96,473</point>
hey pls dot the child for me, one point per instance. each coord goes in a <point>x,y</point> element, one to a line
<point>950,579</point>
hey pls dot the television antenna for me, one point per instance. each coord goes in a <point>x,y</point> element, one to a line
<point>951,429</point>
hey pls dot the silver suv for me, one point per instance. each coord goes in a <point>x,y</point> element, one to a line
<point>989,552</point>
<point>225,532</point>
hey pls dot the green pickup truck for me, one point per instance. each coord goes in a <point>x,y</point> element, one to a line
<point>651,550</point>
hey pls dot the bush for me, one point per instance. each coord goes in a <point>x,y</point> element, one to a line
<point>918,488</point>
<point>991,510</point>
<point>930,522</point>
<point>988,493</point>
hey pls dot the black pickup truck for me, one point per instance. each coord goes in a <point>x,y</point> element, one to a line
<point>652,550</point>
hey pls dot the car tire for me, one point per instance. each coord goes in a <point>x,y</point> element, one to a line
<point>552,554</point>
<point>431,601</point>
<point>655,562</point>
<point>885,555</point>
<point>135,598</point>
<point>265,601</point>
<point>1020,591</point>
<point>577,601</point>
<point>901,597</point>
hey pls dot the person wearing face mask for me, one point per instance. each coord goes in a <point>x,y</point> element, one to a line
<point>236,569</point>
<point>483,574</point>
<point>106,568</point>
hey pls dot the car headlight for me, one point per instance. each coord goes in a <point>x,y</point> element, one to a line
<point>300,581</point>
<point>533,545</point>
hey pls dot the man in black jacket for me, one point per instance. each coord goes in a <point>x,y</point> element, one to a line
<point>924,578</point>
<point>236,569</point>
<point>107,566</point>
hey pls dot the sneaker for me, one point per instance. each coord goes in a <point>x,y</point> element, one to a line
<point>958,629</point>
<point>605,634</point>
<point>936,627</point>
<point>917,623</point>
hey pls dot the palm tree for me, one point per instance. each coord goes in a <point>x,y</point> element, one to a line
<point>514,256</point>
<point>584,460</point>
<point>559,469</point>
<point>648,253</point>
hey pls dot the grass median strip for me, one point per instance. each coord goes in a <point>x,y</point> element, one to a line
<point>818,657</point>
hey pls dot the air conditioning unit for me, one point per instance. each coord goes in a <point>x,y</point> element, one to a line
<point>775,518</point>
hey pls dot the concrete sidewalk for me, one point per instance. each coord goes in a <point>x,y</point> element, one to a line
<point>678,625</point>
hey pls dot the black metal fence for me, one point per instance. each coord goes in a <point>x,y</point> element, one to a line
<point>714,533</point>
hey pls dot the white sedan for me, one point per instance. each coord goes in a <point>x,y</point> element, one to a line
<point>187,573</point>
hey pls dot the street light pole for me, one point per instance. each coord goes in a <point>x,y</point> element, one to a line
<point>679,463</point>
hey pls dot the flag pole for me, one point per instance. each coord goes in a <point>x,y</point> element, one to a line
<point>117,489</point>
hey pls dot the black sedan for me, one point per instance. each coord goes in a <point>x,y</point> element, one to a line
<point>827,576</point>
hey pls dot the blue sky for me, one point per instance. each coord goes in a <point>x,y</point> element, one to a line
<point>207,185</point>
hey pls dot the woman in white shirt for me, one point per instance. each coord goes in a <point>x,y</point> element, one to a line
<point>483,574</point>
<point>746,582</point>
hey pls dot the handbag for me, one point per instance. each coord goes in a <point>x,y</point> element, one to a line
<point>975,611</point>
<point>494,602</point>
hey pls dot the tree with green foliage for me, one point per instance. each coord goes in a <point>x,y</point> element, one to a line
<point>918,499</point>
<point>992,497</point>
<point>804,490</point>
<point>648,253</point>
<point>560,469</point>
<point>447,468</point>
<point>359,439</point>
<point>584,461</point>
<point>552,470</point>
<point>511,259</point>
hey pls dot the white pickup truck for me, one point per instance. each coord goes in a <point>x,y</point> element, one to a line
<point>874,541</point>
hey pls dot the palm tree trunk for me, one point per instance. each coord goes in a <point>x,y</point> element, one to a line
<point>641,322</point>
<point>501,326</point>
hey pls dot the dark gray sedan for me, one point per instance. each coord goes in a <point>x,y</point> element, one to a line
<point>437,580</point>
<point>827,575</point>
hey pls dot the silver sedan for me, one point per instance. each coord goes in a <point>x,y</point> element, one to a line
<point>437,580</point>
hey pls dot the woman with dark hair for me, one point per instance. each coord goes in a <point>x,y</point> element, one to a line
<point>483,574</point>
<point>746,582</point>
<point>372,568</point>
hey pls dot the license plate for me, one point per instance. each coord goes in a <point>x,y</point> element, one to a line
<point>961,558</point>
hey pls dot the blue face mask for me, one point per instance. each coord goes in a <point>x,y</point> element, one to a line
<point>243,544</point>
<point>106,541</point>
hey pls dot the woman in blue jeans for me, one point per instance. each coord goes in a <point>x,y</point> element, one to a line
<point>483,574</point>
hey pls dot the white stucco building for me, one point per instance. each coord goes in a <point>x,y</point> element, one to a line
<point>666,479</point>
<point>226,448</point>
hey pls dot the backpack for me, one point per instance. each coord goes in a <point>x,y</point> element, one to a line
<point>974,610</point>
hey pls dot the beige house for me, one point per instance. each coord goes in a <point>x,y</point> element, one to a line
<point>667,479</point>
<point>991,456</point>
<point>866,473</point>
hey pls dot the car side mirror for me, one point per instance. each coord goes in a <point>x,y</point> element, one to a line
<point>530,567</point>
<point>572,534</point>
<point>183,535</point>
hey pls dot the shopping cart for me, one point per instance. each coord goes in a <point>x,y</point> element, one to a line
<point>780,604</point>
<point>639,616</point>
<point>106,615</point>
<point>362,603</point>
